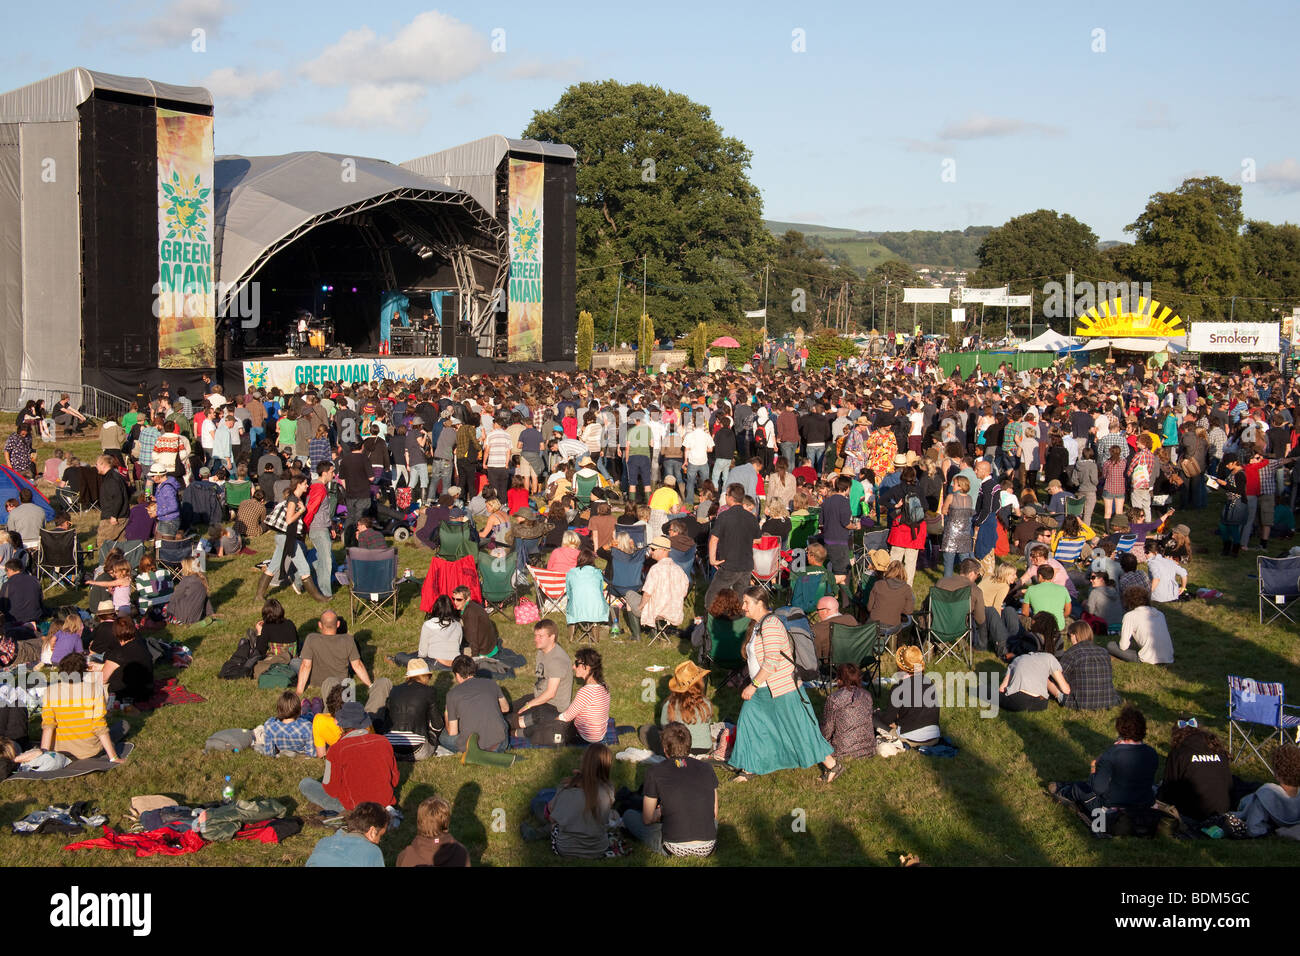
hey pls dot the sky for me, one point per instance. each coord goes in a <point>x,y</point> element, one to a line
<point>868,116</point>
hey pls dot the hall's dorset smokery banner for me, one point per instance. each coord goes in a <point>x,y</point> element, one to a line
<point>289,374</point>
<point>524,329</point>
<point>186,302</point>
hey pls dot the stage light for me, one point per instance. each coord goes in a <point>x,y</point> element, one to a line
<point>324,288</point>
<point>354,288</point>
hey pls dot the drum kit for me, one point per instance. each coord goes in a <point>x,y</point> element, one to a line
<point>313,333</point>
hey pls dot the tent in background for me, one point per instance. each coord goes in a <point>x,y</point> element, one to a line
<point>1049,341</point>
<point>10,484</point>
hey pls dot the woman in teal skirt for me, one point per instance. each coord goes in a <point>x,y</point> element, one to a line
<point>777,729</point>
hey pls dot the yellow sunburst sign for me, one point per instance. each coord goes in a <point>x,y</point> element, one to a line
<point>1150,318</point>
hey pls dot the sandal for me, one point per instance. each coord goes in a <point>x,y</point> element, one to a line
<point>829,775</point>
<point>742,777</point>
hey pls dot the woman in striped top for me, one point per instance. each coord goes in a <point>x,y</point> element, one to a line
<point>588,714</point>
<point>777,729</point>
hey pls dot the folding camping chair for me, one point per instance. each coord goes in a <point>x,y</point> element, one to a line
<point>1074,506</point>
<point>1068,550</point>
<point>170,554</point>
<point>626,571</point>
<point>862,645</point>
<point>497,579</point>
<point>1125,544</point>
<point>949,627</point>
<point>65,499</point>
<point>57,560</point>
<point>373,576</point>
<point>1279,582</point>
<point>722,642</point>
<point>767,564</point>
<point>1264,705</point>
<point>802,527</point>
<point>585,629</point>
<point>549,589</point>
<point>686,561</point>
<point>454,541</point>
<point>637,532</point>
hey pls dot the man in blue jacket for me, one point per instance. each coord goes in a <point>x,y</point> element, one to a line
<point>167,495</point>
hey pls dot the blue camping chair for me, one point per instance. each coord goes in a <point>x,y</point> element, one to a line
<point>637,532</point>
<point>686,561</point>
<point>1279,582</point>
<point>626,571</point>
<point>1260,704</point>
<point>372,573</point>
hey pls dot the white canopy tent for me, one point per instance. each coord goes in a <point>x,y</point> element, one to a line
<point>1048,341</point>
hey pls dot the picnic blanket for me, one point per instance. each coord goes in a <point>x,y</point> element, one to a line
<point>76,768</point>
<point>612,733</point>
<point>169,691</point>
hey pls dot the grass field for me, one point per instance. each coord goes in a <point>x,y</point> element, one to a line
<point>984,807</point>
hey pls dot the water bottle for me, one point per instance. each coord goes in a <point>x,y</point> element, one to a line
<point>228,792</point>
<point>614,629</point>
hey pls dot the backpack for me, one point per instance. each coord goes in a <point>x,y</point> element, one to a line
<point>913,511</point>
<point>799,630</point>
<point>240,664</point>
<point>276,677</point>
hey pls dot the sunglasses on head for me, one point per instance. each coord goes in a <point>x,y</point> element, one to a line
<point>1190,722</point>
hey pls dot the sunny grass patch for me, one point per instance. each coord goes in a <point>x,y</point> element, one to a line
<point>985,807</point>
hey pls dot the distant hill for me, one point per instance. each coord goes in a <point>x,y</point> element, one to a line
<point>953,249</point>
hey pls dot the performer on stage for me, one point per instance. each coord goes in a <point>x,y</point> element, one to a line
<point>394,304</point>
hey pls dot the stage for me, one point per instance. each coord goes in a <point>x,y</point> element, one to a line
<point>287,372</point>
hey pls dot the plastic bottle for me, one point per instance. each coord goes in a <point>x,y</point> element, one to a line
<point>228,792</point>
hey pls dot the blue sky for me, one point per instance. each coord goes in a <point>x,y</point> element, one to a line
<point>855,130</point>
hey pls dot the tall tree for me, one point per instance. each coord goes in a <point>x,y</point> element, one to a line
<point>1040,243</point>
<point>1187,244</point>
<point>658,177</point>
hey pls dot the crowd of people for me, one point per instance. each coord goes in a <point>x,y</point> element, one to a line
<point>844,484</point>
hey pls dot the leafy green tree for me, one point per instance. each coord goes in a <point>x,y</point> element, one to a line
<point>658,177</point>
<point>1041,243</point>
<point>1270,267</point>
<point>645,341</point>
<point>586,339</point>
<point>1187,244</point>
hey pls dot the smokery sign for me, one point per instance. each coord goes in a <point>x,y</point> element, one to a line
<point>1233,337</point>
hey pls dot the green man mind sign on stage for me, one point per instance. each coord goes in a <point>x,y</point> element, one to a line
<point>186,297</point>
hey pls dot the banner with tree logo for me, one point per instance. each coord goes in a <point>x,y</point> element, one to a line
<point>186,301</point>
<point>524,330</point>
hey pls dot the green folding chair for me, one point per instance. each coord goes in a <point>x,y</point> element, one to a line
<point>725,639</point>
<point>949,627</point>
<point>1074,506</point>
<point>862,645</point>
<point>802,527</point>
<point>454,541</point>
<point>497,579</point>
<point>582,488</point>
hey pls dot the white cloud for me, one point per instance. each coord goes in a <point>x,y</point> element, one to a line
<point>537,70</point>
<point>980,126</point>
<point>382,104</point>
<point>174,24</point>
<point>432,49</point>
<point>228,83</point>
<point>1283,177</point>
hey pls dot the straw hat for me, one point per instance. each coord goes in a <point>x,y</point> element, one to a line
<point>879,559</point>
<point>909,659</point>
<point>685,676</point>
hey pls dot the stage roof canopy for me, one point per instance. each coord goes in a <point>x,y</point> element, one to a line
<point>472,166</point>
<point>55,99</point>
<point>263,203</point>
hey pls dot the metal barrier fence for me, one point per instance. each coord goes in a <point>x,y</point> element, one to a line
<point>94,403</point>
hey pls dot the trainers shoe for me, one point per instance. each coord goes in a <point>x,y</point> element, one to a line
<point>297,586</point>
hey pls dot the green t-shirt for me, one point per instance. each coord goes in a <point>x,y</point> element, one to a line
<point>1048,596</point>
<point>639,440</point>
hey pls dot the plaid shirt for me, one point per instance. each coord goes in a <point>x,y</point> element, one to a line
<point>1268,477</point>
<point>148,436</point>
<point>294,736</point>
<point>1086,668</point>
<point>1143,457</point>
<point>1111,440</point>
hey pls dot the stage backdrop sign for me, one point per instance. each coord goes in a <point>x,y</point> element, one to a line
<point>524,330</point>
<point>1234,337</point>
<point>288,375</point>
<point>186,302</point>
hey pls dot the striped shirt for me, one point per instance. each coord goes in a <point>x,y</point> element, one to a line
<point>772,651</point>
<point>589,712</point>
<point>76,712</point>
<point>498,446</point>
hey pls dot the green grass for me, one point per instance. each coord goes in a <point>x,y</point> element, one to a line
<point>985,807</point>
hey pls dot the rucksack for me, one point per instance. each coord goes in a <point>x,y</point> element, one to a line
<point>276,519</point>
<point>240,664</point>
<point>913,511</point>
<point>799,630</point>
